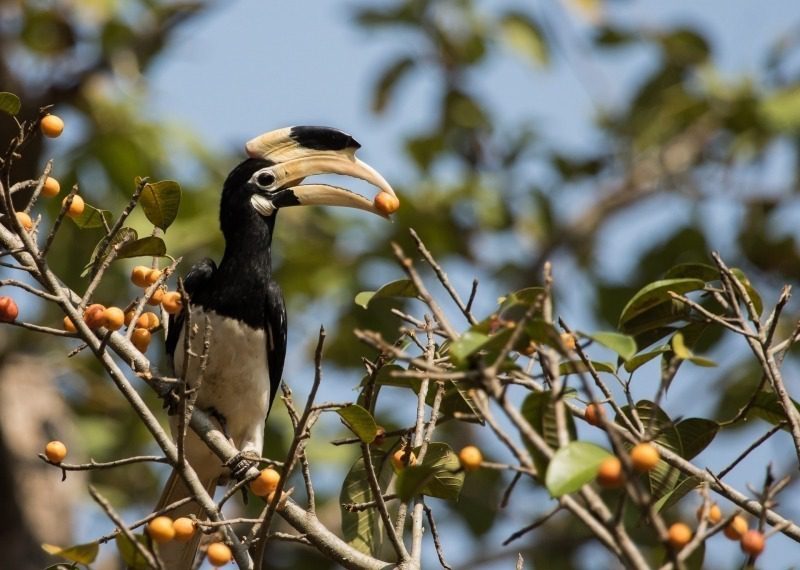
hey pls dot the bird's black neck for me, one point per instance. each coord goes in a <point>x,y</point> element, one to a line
<point>242,280</point>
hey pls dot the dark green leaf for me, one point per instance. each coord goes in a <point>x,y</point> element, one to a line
<point>123,235</point>
<point>701,271</point>
<point>654,321</point>
<point>9,103</point>
<point>147,246</point>
<point>364,530</point>
<point>360,421</point>
<point>684,487</point>
<point>160,202</point>
<point>538,409</point>
<point>400,288</point>
<point>439,475</point>
<point>782,109</point>
<point>130,555</point>
<point>656,293</point>
<point>91,217</point>
<point>767,407</point>
<point>758,304</point>
<point>573,466</point>
<point>696,434</point>
<point>622,344</point>
<point>389,79</point>
<point>80,553</point>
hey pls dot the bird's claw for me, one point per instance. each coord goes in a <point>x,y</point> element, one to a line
<point>241,463</point>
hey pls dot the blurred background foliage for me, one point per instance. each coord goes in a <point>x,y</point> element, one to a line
<point>690,159</point>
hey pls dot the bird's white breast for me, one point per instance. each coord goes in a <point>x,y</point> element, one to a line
<point>235,382</point>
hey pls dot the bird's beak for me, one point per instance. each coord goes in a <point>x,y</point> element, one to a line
<point>299,152</point>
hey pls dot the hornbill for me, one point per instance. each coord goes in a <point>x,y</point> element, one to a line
<point>244,305</point>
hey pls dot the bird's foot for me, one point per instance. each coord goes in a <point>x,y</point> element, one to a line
<point>241,463</point>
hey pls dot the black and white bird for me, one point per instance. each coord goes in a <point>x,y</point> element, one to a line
<point>242,302</point>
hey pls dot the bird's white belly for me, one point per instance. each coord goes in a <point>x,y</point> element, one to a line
<point>235,382</point>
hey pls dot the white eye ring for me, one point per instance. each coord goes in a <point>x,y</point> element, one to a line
<point>264,178</point>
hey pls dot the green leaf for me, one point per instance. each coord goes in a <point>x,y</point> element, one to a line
<point>130,555</point>
<point>439,475</point>
<point>622,344</point>
<point>577,367</point>
<point>123,235</point>
<point>644,358</point>
<point>360,421</point>
<point>9,103</point>
<point>682,352</point>
<point>400,288</point>
<point>573,466</point>
<point>758,304</point>
<point>663,478</point>
<point>696,434</point>
<point>649,326</point>
<point>781,109</point>
<point>701,271</point>
<point>160,202</point>
<point>147,246</point>
<point>91,217</point>
<point>686,485</point>
<point>467,344</point>
<point>80,553</point>
<point>456,399</point>
<point>767,407</point>
<point>364,530</point>
<point>523,35</point>
<point>656,293</point>
<point>538,409</point>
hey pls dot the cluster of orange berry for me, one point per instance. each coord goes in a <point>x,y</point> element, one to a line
<point>163,529</point>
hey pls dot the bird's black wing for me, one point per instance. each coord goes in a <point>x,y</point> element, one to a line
<point>275,329</point>
<point>199,276</point>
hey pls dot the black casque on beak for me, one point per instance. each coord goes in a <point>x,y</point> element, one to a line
<point>299,152</point>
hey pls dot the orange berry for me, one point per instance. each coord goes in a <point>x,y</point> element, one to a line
<point>609,473</point>
<point>161,530</point>
<point>69,326</point>
<point>736,528</point>
<point>76,207</point>
<point>470,458</point>
<point>147,321</point>
<point>156,297</point>
<point>55,451</point>
<point>714,513</point>
<point>679,535</point>
<point>141,339</point>
<point>129,317</point>
<point>568,340</point>
<point>172,302</point>
<point>386,203</point>
<point>93,315</point>
<point>152,276</point>
<point>184,529</point>
<point>753,542</point>
<point>51,126</point>
<point>644,457</point>
<point>139,275</point>
<point>9,311</point>
<point>218,554</point>
<point>401,458</point>
<point>594,414</point>
<point>25,221</point>
<point>51,187</point>
<point>266,482</point>
<point>113,318</point>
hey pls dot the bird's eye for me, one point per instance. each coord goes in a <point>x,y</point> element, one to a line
<point>265,179</point>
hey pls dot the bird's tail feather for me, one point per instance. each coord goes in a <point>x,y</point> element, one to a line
<point>180,555</point>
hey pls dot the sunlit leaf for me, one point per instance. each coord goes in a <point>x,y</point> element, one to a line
<point>758,304</point>
<point>577,366</point>
<point>9,103</point>
<point>360,421</point>
<point>400,288</point>
<point>622,344</point>
<point>573,466</point>
<point>782,109</point>
<point>80,553</point>
<point>644,358</point>
<point>523,35</point>
<point>160,202</point>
